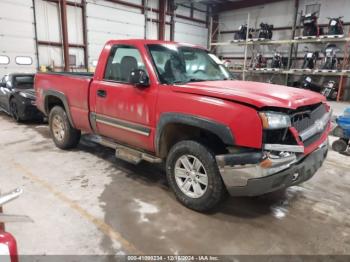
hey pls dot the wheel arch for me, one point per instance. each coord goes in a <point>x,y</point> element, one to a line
<point>55,98</point>
<point>11,96</point>
<point>192,127</point>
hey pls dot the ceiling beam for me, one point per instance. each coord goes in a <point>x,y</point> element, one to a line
<point>241,4</point>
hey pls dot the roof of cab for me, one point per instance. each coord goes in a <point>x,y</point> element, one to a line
<point>150,41</point>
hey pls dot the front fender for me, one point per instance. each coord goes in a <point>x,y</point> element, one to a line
<point>220,130</point>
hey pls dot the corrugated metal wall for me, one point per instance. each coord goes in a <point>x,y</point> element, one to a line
<point>49,30</point>
<point>104,20</point>
<point>192,32</point>
<point>17,36</point>
<point>107,21</point>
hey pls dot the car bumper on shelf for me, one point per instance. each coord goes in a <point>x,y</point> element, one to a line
<point>255,179</point>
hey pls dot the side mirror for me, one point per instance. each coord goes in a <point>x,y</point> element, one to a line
<point>139,77</point>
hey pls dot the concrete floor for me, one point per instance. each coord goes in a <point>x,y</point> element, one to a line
<point>85,201</point>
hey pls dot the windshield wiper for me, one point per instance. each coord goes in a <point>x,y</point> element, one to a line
<point>178,82</point>
<point>187,81</point>
<point>197,80</point>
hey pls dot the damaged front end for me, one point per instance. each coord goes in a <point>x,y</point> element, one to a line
<point>294,146</point>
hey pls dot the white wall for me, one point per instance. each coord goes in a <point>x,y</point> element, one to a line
<point>17,37</point>
<point>105,20</point>
<point>191,32</point>
<point>49,29</point>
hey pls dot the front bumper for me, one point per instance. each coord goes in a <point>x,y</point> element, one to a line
<point>253,179</point>
<point>28,111</point>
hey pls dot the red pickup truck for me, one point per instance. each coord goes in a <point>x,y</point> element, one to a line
<point>176,103</point>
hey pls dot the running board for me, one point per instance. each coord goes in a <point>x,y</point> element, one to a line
<point>125,153</point>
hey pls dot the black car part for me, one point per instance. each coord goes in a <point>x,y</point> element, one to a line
<point>310,25</point>
<point>330,60</point>
<point>335,26</point>
<point>330,90</point>
<point>310,59</point>
<point>308,83</point>
<point>241,34</point>
<point>265,31</point>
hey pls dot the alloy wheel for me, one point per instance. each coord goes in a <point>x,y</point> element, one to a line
<point>58,128</point>
<point>191,176</point>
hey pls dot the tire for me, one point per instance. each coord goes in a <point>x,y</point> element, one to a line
<point>62,132</point>
<point>340,145</point>
<point>14,110</point>
<point>211,194</point>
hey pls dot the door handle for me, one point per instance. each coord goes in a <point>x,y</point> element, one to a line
<point>102,93</point>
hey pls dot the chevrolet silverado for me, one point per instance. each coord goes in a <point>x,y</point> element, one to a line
<point>173,103</point>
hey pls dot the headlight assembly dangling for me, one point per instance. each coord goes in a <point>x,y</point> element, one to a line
<point>274,120</point>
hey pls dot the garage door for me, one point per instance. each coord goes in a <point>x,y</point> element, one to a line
<point>106,21</point>
<point>17,47</point>
<point>192,33</point>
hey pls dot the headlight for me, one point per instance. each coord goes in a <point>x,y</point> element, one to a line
<point>274,120</point>
<point>23,95</point>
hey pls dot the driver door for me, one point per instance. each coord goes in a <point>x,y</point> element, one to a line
<point>123,111</point>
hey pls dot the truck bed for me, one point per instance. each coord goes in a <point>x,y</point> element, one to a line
<point>74,87</point>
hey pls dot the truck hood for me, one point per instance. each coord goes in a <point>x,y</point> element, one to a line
<point>253,93</point>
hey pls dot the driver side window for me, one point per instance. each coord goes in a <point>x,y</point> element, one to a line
<point>122,60</point>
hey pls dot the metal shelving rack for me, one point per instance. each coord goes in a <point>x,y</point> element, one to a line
<point>296,72</point>
<point>297,40</point>
<point>310,40</point>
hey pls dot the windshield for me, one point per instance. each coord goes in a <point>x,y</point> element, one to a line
<point>182,64</point>
<point>23,82</point>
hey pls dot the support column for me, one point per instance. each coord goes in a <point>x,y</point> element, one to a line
<point>214,31</point>
<point>86,54</point>
<point>161,18</point>
<point>172,7</point>
<point>291,48</point>
<point>63,9</point>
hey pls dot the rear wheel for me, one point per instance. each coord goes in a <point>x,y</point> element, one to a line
<point>193,175</point>
<point>14,110</point>
<point>340,145</point>
<point>62,132</point>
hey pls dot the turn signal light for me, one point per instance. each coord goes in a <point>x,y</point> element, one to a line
<point>267,163</point>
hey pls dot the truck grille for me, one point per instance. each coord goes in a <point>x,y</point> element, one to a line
<point>301,119</point>
<point>306,117</point>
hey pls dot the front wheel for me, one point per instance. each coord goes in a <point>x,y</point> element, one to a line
<point>340,145</point>
<point>14,110</point>
<point>62,132</point>
<point>194,176</point>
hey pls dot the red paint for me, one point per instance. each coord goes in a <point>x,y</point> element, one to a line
<point>232,103</point>
<point>8,240</point>
<point>317,143</point>
<point>295,134</point>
